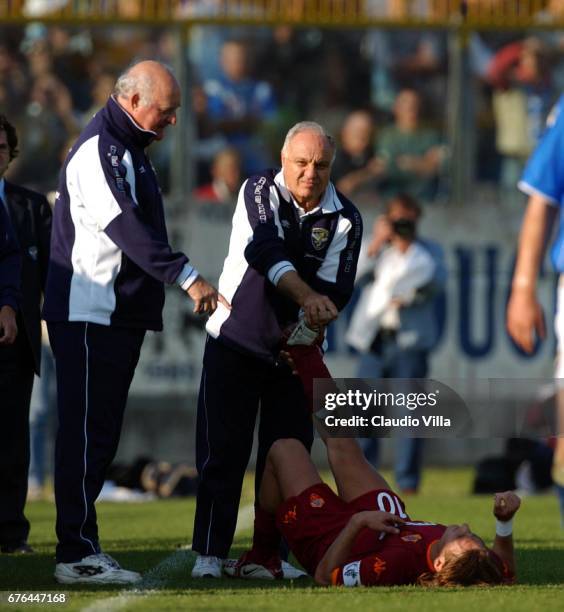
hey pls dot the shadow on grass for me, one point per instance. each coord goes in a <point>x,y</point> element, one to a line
<point>537,566</point>
<point>162,568</point>
<point>164,572</point>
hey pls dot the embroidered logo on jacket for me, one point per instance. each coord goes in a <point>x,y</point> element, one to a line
<point>319,236</point>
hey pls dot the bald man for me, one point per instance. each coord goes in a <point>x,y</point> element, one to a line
<point>292,257</point>
<point>110,259</point>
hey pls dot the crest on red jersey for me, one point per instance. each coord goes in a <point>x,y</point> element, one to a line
<point>316,501</point>
<point>290,517</point>
<point>379,566</point>
<point>411,537</point>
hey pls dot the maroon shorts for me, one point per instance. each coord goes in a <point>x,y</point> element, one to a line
<point>312,520</point>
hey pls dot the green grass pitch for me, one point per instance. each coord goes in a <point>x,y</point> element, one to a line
<point>149,537</point>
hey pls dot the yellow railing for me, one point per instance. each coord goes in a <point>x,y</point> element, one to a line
<point>362,13</point>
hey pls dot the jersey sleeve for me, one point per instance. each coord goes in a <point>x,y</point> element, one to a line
<point>266,251</point>
<point>388,567</point>
<point>544,172</point>
<point>103,176</point>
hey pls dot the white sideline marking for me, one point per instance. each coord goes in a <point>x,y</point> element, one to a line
<point>157,577</point>
<point>112,604</point>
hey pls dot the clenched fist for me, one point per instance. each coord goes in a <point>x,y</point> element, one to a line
<point>506,505</point>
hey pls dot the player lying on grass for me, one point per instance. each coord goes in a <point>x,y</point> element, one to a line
<point>363,536</point>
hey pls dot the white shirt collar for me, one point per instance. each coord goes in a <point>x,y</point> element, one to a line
<point>330,202</point>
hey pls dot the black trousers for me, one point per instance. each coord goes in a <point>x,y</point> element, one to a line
<point>16,382</point>
<point>95,366</point>
<point>232,388</point>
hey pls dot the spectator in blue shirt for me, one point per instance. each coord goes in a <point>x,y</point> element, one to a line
<point>238,104</point>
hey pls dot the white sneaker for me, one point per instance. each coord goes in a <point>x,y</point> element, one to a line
<point>292,573</point>
<point>242,568</point>
<point>95,569</point>
<point>207,566</point>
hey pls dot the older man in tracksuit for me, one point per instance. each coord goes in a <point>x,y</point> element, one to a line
<point>294,247</point>
<point>110,258</point>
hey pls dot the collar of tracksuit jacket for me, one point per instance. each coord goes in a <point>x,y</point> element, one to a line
<point>124,123</point>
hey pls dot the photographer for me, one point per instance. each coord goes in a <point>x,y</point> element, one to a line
<point>394,325</point>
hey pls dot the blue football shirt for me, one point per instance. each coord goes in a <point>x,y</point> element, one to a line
<point>544,174</point>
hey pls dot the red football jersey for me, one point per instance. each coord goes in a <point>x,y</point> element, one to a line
<point>386,559</point>
<point>311,521</point>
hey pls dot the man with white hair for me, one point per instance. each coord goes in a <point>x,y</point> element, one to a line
<point>292,259</point>
<point>110,258</point>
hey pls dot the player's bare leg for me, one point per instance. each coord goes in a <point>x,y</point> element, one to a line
<point>354,475</point>
<point>558,461</point>
<point>288,471</point>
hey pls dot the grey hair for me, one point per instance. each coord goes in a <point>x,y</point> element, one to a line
<point>309,126</point>
<point>129,83</point>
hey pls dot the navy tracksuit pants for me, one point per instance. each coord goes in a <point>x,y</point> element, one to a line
<point>95,366</point>
<point>16,382</point>
<point>232,388</point>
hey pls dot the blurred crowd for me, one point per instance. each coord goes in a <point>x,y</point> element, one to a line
<point>382,92</point>
<point>542,10</point>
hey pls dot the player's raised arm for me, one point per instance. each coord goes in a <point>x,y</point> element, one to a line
<point>505,506</point>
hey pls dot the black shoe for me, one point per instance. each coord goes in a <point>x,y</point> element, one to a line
<point>22,548</point>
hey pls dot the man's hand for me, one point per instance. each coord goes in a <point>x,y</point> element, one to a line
<point>506,505</point>
<point>524,318</point>
<point>381,234</point>
<point>380,521</point>
<point>205,296</point>
<point>8,326</point>
<point>287,358</point>
<point>319,310</point>
<point>340,549</point>
<point>301,334</point>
